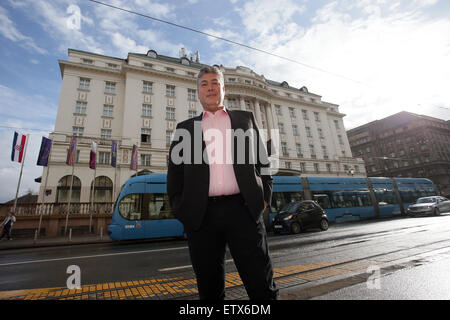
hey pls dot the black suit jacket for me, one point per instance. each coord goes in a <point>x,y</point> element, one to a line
<point>188,182</point>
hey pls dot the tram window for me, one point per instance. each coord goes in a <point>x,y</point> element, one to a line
<point>408,195</point>
<point>280,199</point>
<point>130,207</point>
<point>158,207</point>
<point>349,199</point>
<point>385,195</point>
<point>145,206</point>
<point>322,200</point>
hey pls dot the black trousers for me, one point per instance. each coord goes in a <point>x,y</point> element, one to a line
<point>6,232</point>
<point>228,222</point>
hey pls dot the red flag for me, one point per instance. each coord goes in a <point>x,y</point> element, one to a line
<point>72,151</point>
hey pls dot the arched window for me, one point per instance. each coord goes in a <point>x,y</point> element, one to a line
<point>63,189</point>
<point>103,189</point>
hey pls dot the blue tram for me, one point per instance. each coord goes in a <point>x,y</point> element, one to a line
<point>142,208</point>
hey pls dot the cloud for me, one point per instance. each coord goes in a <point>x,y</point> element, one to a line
<point>9,31</point>
<point>397,53</point>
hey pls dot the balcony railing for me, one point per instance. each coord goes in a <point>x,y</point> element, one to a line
<point>33,209</point>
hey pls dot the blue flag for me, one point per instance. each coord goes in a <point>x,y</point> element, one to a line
<point>44,153</point>
<point>114,154</point>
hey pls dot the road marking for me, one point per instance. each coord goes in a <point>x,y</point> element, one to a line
<point>185,267</point>
<point>92,256</point>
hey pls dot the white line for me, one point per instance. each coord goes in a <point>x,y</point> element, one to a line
<point>185,267</point>
<point>87,257</point>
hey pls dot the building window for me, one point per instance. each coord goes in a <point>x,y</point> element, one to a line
<point>328,167</point>
<point>80,107</point>
<point>302,167</point>
<point>305,115</point>
<point>108,110</point>
<point>292,112</point>
<point>278,110</point>
<point>190,74</point>
<point>312,150</point>
<point>171,70</point>
<point>148,65</point>
<point>110,87</point>
<point>316,167</point>
<point>170,113</point>
<point>145,159</point>
<point>284,149</point>
<point>287,164</point>
<point>84,83</point>
<point>298,147</point>
<point>87,61</point>
<point>147,87</point>
<point>192,113</point>
<point>146,135</point>
<point>77,131</point>
<point>281,127</point>
<point>294,130</point>
<point>248,107</point>
<point>308,131</point>
<point>232,103</point>
<point>320,133</point>
<point>104,157</point>
<point>325,152</point>
<point>336,124</point>
<point>169,137</point>
<point>146,110</point>
<point>340,139</point>
<point>105,133</point>
<point>316,116</point>
<point>170,91</point>
<point>192,94</point>
<point>112,66</point>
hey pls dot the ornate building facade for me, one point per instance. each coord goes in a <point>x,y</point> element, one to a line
<point>140,99</point>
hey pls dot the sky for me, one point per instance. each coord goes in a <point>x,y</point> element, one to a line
<point>373,58</point>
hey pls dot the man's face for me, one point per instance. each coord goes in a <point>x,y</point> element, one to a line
<point>211,92</point>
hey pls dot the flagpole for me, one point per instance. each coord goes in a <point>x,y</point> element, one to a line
<point>70,198</point>
<point>93,193</point>
<point>20,176</point>
<point>45,188</point>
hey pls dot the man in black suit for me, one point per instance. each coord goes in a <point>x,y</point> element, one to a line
<point>218,184</point>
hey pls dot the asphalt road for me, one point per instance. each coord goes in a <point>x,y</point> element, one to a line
<point>102,263</point>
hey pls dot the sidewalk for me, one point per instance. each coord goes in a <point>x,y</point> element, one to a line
<point>53,241</point>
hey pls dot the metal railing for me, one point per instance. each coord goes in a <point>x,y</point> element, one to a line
<point>36,209</point>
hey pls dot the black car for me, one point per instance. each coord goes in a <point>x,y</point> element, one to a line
<point>300,215</point>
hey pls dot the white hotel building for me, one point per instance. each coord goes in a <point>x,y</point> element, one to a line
<point>140,99</point>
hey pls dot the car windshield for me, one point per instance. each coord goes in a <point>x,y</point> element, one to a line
<point>426,200</point>
<point>290,207</point>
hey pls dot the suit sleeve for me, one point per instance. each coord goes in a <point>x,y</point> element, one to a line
<point>263,164</point>
<point>175,177</point>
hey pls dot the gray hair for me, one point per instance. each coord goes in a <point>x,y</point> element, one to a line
<point>214,69</point>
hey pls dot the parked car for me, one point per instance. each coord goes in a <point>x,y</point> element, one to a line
<point>300,215</point>
<point>429,206</point>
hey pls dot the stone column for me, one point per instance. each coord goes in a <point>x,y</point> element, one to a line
<point>242,102</point>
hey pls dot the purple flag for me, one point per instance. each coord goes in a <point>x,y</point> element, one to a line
<point>93,155</point>
<point>44,153</point>
<point>134,158</point>
<point>114,154</point>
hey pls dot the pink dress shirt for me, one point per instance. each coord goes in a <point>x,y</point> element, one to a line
<point>217,135</point>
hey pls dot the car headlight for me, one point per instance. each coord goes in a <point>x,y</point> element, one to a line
<point>288,218</point>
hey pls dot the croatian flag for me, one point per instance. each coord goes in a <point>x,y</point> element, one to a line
<point>18,147</point>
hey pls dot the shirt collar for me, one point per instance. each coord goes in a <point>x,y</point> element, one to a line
<point>207,114</point>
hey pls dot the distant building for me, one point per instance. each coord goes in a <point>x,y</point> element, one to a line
<point>405,145</point>
<point>140,99</point>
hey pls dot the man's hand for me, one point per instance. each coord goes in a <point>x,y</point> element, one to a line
<point>265,204</point>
